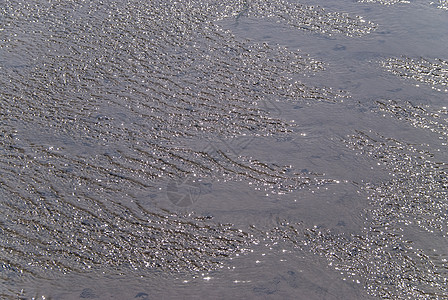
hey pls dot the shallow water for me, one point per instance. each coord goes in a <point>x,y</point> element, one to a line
<point>274,149</point>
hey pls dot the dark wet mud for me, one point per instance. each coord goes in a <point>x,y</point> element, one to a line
<point>277,149</point>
